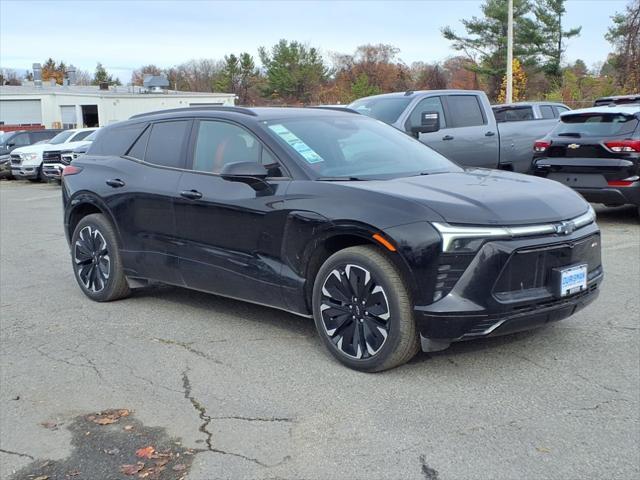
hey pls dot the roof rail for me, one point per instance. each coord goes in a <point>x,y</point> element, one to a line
<point>218,108</point>
<point>337,109</point>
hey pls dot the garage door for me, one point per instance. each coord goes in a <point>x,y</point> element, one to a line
<point>68,114</point>
<point>15,112</point>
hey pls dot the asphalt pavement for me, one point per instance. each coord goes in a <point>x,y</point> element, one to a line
<point>221,389</point>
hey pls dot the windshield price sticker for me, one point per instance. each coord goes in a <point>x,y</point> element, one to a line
<point>298,145</point>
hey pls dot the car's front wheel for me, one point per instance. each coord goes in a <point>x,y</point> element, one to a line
<point>96,259</point>
<point>363,311</point>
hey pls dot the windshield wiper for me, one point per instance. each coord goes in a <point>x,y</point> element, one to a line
<point>340,179</point>
<point>570,134</point>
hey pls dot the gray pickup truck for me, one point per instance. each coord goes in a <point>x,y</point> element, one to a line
<point>460,125</point>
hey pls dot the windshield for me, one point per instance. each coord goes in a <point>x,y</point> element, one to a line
<point>596,125</point>
<point>385,109</point>
<point>354,146</point>
<point>61,137</point>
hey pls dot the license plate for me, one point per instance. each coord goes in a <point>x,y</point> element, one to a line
<point>573,280</point>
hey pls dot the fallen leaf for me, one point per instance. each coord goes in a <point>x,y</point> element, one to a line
<point>543,450</point>
<point>162,461</point>
<point>49,425</point>
<point>179,467</point>
<point>105,421</point>
<point>112,451</point>
<point>42,477</point>
<point>131,469</point>
<point>74,473</point>
<point>128,427</point>
<point>122,413</point>
<point>145,452</point>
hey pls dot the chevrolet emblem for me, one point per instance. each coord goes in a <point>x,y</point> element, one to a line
<point>564,228</point>
<point>573,146</point>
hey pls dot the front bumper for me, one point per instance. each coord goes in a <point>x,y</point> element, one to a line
<point>508,287</point>
<point>25,171</point>
<point>53,171</point>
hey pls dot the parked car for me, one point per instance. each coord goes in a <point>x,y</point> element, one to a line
<point>20,138</point>
<point>26,162</point>
<point>617,100</point>
<point>54,161</point>
<point>460,125</point>
<point>323,213</point>
<point>523,111</point>
<point>595,151</point>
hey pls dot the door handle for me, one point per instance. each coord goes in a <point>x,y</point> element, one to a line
<point>191,194</point>
<point>115,183</point>
<point>447,137</point>
<point>489,134</point>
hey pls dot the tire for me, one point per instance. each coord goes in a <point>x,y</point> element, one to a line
<point>95,258</point>
<point>386,319</point>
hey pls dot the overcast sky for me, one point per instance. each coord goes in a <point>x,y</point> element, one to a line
<point>126,34</point>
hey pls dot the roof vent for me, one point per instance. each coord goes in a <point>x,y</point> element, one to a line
<point>155,83</point>
<point>104,85</point>
<point>37,74</point>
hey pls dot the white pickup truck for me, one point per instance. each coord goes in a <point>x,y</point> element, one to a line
<point>26,162</point>
<point>54,160</point>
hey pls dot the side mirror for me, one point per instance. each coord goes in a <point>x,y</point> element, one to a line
<point>429,122</point>
<point>11,145</point>
<point>251,173</point>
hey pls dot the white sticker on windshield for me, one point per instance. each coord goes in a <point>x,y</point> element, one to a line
<point>298,145</point>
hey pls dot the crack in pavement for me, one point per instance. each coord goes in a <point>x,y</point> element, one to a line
<point>206,420</point>
<point>90,364</point>
<point>189,348</point>
<point>254,419</point>
<point>18,454</point>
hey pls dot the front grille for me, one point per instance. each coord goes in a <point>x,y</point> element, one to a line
<point>52,156</point>
<point>528,272</point>
<point>16,160</point>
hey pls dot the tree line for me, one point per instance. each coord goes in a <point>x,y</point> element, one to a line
<point>292,72</point>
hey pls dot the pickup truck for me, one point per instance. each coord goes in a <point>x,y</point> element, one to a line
<point>460,125</point>
<point>523,111</point>
<point>54,160</point>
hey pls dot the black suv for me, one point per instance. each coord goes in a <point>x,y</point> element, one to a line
<point>596,151</point>
<point>385,243</point>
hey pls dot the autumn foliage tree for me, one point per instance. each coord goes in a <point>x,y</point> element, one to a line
<point>519,84</point>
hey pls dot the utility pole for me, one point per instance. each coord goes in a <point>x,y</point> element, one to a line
<point>509,92</point>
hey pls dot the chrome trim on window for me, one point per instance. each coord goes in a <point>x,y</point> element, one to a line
<point>450,233</point>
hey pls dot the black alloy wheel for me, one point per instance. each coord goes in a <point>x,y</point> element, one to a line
<point>96,259</point>
<point>362,310</point>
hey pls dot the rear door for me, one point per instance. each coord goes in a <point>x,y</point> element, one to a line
<point>231,232</point>
<point>141,189</point>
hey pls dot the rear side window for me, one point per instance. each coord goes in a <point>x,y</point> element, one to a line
<point>140,147</point>
<point>38,136</point>
<point>116,140</point>
<point>547,111</point>
<point>514,114</point>
<point>166,142</point>
<point>596,125</point>
<point>464,111</point>
<point>559,110</point>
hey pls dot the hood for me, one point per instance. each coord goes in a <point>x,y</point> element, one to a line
<point>38,148</point>
<point>73,145</point>
<point>486,197</point>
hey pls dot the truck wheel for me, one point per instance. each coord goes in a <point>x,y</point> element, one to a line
<point>363,311</point>
<point>96,259</point>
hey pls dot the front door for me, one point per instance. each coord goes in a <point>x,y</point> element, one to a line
<point>231,232</point>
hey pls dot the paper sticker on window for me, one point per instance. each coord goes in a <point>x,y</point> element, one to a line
<point>298,145</point>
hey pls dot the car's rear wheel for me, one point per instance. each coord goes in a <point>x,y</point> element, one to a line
<point>96,259</point>
<point>363,311</point>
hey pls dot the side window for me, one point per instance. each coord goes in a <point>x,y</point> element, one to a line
<point>221,143</point>
<point>140,147</point>
<point>547,111</point>
<point>464,111</point>
<point>558,110</point>
<point>37,136</point>
<point>80,136</point>
<point>429,104</point>
<point>165,143</point>
<point>519,114</point>
<point>21,140</point>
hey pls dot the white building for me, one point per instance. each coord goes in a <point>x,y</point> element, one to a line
<point>89,106</point>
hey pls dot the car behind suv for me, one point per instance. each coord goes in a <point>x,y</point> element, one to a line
<point>388,245</point>
<point>20,138</point>
<point>595,151</point>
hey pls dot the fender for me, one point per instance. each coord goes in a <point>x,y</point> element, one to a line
<point>86,197</point>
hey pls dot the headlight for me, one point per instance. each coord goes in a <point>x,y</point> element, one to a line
<point>462,239</point>
<point>29,156</point>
